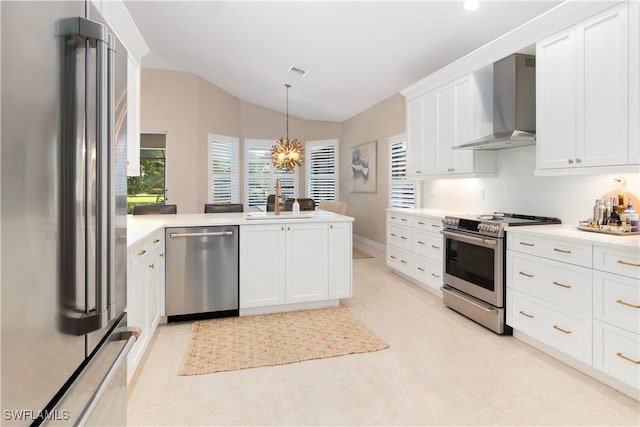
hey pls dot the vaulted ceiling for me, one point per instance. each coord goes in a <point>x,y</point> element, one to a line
<point>356,53</point>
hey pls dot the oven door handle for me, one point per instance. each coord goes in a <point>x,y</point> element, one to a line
<point>481,241</point>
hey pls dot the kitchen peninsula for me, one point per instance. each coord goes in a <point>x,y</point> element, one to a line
<point>286,262</point>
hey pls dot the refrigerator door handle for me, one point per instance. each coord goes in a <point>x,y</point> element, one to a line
<point>130,334</point>
<point>84,273</point>
<point>110,211</point>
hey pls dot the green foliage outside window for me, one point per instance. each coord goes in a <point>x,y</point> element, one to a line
<point>149,187</point>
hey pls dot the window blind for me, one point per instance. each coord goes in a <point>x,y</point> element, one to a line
<point>261,175</point>
<point>224,166</point>
<point>321,166</point>
<point>402,192</point>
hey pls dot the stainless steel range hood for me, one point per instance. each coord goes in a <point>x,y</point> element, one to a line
<point>514,105</point>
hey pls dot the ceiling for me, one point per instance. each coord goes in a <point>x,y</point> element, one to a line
<point>357,53</point>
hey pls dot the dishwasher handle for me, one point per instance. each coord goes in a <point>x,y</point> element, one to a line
<point>204,234</point>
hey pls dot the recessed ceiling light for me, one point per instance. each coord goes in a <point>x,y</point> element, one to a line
<point>471,4</point>
<point>298,71</point>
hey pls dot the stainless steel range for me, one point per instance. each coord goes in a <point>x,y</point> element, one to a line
<point>474,265</point>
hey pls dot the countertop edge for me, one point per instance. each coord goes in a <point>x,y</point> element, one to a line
<point>569,232</point>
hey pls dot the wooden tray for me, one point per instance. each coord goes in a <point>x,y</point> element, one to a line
<point>614,233</point>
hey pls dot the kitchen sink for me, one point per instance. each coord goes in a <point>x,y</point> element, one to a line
<point>271,216</point>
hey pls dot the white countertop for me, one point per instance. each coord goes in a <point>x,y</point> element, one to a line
<point>567,231</point>
<point>429,213</point>
<point>140,226</point>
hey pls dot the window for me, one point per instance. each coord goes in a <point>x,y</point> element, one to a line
<point>261,175</point>
<point>402,192</point>
<point>224,167</point>
<point>321,159</point>
<point>149,186</point>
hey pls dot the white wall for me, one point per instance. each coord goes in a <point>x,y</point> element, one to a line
<point>517,190</point>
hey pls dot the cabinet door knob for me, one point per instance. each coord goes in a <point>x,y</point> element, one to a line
<point>152,266</point>
<point>578,160</point>
<point>570,161</point>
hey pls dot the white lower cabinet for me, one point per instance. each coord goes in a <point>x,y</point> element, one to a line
<point>584,304</point>
<point>145,293</point>
<point>414,248</point>
<point>340,260</point>
<point>292,263</point>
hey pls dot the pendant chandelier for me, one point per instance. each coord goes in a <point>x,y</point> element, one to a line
<point>287,153</point>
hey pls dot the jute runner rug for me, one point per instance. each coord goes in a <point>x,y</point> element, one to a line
<point>275,339</point>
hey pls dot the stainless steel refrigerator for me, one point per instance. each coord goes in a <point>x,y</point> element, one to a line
<point>64,334</point>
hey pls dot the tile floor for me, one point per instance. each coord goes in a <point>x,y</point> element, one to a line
<point>440,369</point>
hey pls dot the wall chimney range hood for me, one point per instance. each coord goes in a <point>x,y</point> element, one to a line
<point>514,105</point>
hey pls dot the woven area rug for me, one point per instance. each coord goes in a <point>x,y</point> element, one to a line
<point>275,339</point>
<point>358,254</point>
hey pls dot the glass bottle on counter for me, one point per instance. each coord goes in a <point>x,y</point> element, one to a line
<point>614,218</point>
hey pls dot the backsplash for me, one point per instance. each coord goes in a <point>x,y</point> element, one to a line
<point>517,190</point>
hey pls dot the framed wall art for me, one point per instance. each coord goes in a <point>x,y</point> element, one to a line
<point>363,168</point>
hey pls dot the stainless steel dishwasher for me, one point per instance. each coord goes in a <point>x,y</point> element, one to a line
<point>201,272</point>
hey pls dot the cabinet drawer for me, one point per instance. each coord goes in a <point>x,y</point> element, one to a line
<point>400,237</point>
<point>616,300</point>
<point>399,260</point>
<point>428,245</point>
<point>565,285</point>
<point>394,218</point>
<point>617,353</point>
<point>619,261</point>
<point>427,272</point>
<point>577,253</point>
<point>138,253</point>
<point>427,224</point>
<point>562,330</point>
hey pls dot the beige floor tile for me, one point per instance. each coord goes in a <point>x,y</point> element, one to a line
<point>440,369</point>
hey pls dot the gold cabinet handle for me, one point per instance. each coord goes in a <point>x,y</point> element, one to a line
<point>282,228</point>
<point>289,228</point>
<point>420,222</point>
<point>142,252</point>
<point>527,244</point>
<point>331,226</point>
<point>393,234</point>
<point>570,161</point>
<point>435,247</point>
<point>435,225</point>
<point>435,275</point>
<point>393,257</point>
<point>403,238</point>
<point>161,254</point>
<point>530,316</point>
<point>156,241</point>
<point>562,285</point>
<point>631,264</point>
<point>403,261</point>
<point>628,359</point>
<point>564,331</point>
<point>420,268</point>
<point>151,266</point>
<point>403,219</point>
<point>392,217</point>
<point>564,251</point>
<point>578,160</point>
<point>628,304</point>
<point>420,243</point>
<point>522,273</point>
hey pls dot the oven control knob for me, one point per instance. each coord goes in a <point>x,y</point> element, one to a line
<point>494,229</point>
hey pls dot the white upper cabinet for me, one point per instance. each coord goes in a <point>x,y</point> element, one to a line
<point>451,115</point>
<point>133,118</point>
<point>414,113</point>
<point>583,94</point>
<point>634,82</point>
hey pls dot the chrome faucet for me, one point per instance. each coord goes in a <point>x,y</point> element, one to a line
<point>276,209</point>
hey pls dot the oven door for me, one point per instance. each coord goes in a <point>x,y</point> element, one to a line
<point>474,265</point>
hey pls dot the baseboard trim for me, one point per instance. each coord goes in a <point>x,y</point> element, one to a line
<point>359,242</point>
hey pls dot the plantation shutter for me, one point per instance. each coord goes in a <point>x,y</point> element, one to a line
<point>401,191</point>
<point>320,157</point>
<point>224,178</point>
<point>262,175</point>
